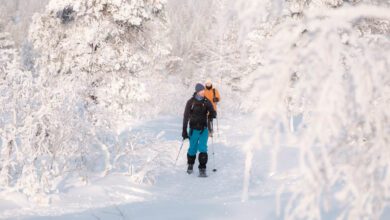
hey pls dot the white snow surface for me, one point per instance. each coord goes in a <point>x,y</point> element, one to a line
<point>175,194</point>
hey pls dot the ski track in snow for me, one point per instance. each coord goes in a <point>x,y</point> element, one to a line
<point>175,195</point>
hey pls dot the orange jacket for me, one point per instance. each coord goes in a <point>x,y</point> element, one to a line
<point>214,97</point>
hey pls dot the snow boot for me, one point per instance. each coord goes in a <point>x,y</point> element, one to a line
<point>203,157</point>
<point>190,168</point>
<point>190,162</point>
<point>202,172</point>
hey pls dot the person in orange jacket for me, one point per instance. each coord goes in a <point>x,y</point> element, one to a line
<point>213,95</point>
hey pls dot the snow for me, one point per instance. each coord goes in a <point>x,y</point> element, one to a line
<point>175,194</point>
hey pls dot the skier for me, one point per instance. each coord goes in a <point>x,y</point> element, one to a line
<point>197,109</point>
<point>213,95</point>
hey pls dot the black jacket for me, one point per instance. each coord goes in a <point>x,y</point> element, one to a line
<point>196,113</point>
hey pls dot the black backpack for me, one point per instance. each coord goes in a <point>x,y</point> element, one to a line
<point>198,114</point>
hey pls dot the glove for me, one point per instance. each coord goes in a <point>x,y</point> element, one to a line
<point>185,134</point>
<point>215,99</point>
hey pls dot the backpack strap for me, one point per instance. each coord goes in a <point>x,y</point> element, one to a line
<point>193,104</point>
<point>213,93</point>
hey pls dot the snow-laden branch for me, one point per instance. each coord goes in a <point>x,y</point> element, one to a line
<point>350,13</point>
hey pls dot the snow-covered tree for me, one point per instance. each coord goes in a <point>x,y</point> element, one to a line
<point>8,56</point>
<point>338,77</point>
<point>102,44</point>
<point>94,61</point>
<point>17,104</point>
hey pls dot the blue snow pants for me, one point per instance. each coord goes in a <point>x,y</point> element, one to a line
<point>198,141</point>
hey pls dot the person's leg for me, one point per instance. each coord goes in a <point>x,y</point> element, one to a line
<point>202,146</point>
<point>193,149</point>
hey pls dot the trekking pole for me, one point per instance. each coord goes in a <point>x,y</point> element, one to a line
<point>217,128</point>
<point>212,146</point>
<point>182,143</point>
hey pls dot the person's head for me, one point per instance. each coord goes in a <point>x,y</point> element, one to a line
<point>199,89</point>
<point>208,84</point>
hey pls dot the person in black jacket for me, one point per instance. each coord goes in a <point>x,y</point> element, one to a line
<point>197,112</point>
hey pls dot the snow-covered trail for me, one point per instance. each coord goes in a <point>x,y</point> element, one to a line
<point>175,195</point>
